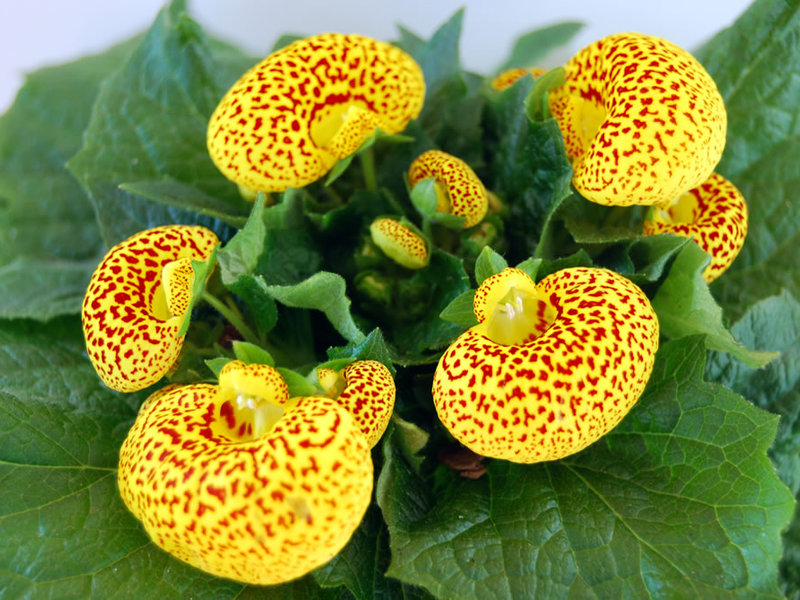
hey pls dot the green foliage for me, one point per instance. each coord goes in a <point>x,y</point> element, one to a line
<point>661,506</point>
<point>680,500</point>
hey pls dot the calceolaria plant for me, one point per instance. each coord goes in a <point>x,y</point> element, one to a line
<point>346,320</point>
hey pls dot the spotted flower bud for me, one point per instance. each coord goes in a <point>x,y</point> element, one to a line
<point>458,189</point>
<point>243,482</point>
<point>550,368</point>
<point>366,390</point>
<point>399,243</point>
<point>714,214</point>
<point>642,121</point>
<point>288,120</point>
<point>136,302</point>
<point>508,78</point>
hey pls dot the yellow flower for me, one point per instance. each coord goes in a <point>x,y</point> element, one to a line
<point>508,78</point>
<point>136,302</point>
<point>550,368</point>
<point>366,390</point>
<point>458,189</point>
<point>642,121</point>
<point>243,482</point>
<point>399,243</point>
<point>714,214</point>
<point>288,120</point>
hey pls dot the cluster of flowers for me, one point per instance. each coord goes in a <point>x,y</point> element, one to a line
<point>243,481</point>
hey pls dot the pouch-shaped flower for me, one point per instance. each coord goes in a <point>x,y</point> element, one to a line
<point>714,214</point>
<point>550,368</point>
<point>136,301</point>
<point>288,120</point>
<point>241,481</point>
<point>642,120</point>
<point>458,189</point>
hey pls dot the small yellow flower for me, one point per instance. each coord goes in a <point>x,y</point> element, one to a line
<point>508,78</point>
<point>458,189</point>
<point>288,120</point>
<point>399,243</point>
<point>136,302</point>
<point>550,368</point>
<point>366,390</point>
<point>642,120</point>
<point>714,214</point>
<point>243,482</point>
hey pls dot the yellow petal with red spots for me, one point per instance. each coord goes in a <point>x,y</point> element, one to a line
<point>458,189</point>
<point>288,120</point>
<point>642,120</point>
<point>136,302</point>
<point>557,392</point>
<point>508,78</point>
<point>366,390</point>
<point>399,243</point>
<point>259,509</point>
<point>714,214</point>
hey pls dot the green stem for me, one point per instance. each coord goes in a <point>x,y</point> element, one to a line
<point>368,168</point>
<point>233,317</point>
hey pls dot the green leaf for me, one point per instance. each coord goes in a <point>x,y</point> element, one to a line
<point>202,271</point>
<point>49,239</point>
<point>773,323</point>
<point>536,105</point>
<point>439,56</point>
<point>685,307</point>
<point>372,347</point>
<point>251,354</point>
<point>410,439</point>
<point>216,364</point>
<point>298,385</point>
<point>489,263</point>
<point>240,255</point>
<point>679,501</point>
<point>149,122</point>
<point>530,266</point>
<point>529,169</point>
<point>179,195</point>
<point>756,65</point>
<point>423,197</point>
<point>460,310</point>
<point>322,291</point>
<point>529,48</point>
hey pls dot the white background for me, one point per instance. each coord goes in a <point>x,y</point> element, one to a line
<point>45,32</point>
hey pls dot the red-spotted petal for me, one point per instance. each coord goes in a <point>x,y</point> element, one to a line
<point>714,214</point>
<point>642,120</point>
<point>293,115</point>
<point>136,302</point>
<point>262,509</point>
<point>554,394</point>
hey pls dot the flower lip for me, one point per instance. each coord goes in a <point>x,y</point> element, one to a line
<point>399,242</point>
<point>293,115</point>
<point>557,392</point>
<point>261,511</point>
<point>136,301</point>
<point>367,390</point>
<point>714,214</point>
<point>458,189</point>
<point>642,120</point>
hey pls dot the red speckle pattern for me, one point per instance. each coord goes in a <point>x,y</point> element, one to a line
<point>261,512</point>
<point>369,396</point>
<point>467,195</point>
<point>508,78</point>
<point>718,224</point>
<point>260,135</point>
<point>131,345</point>
<point>554,395</point>
<point>399,243</point>
<point>641,119</point>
